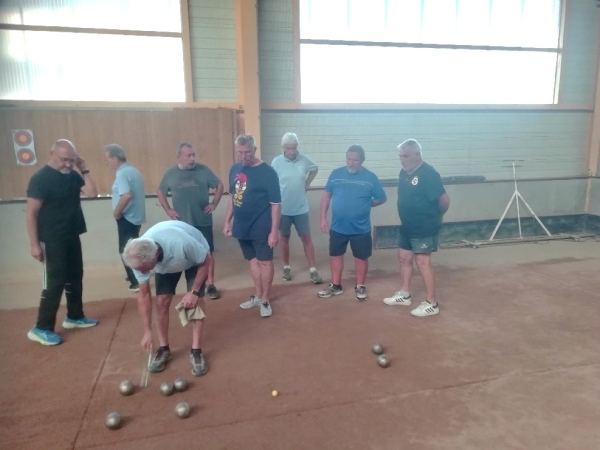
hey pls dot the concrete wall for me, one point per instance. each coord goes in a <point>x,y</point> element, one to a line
<point>594,203</point>
<point>213,48</point>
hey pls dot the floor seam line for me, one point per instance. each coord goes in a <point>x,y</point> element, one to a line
<point>95,384</point>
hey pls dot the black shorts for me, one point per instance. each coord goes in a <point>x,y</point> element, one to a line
<point>256,248</point>
<point>207,232</point>
<point>166,283</point>
<point>361,244</point>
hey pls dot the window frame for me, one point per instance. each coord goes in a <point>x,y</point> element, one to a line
<point>296,104</point>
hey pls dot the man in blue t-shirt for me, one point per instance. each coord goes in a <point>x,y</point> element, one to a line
<point>352,191</point>
<point>128,201</point>
<point>254,204</point>
<point>422,201</point>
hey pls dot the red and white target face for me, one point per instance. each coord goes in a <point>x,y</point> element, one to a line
<point>25,156</point>
<point>22,138</point>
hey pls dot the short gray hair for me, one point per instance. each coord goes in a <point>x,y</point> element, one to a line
<point>411,144</point>
<point>289,138</point>
<point>183,144</point>
<point>355,148</point>
<point>139,250</point>
<point>115,151</point>
<point>245,139</point>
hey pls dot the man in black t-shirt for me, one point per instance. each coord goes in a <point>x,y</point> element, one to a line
<point>54,222</point>
<point>255,205</point>
<point>422,201</point>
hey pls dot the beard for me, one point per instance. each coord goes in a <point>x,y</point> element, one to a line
<point>65,171</point>
<point>351,170</point>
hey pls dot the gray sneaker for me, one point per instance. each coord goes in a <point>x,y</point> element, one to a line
<point>199,366</point>
<point>332,289</point>
<point>265,309</point>
<point>254,301</point>
<point>287,274</point>
<point>361,292</point>
<point>159,363</point>
<point>315,277</point>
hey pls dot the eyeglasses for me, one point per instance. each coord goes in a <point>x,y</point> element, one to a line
<point>68,160</point>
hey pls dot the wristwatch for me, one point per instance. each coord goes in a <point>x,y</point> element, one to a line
<point>85,172</point>
<point>196,293</point>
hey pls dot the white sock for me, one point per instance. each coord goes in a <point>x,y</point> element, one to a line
<point>313,269</point>
<point>405,294</point>
<point>287,267</point>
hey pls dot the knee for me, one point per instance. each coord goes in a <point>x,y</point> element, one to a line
<point>306,239</point>
<point>423,262</point>
<point>285,239</point>
<point>163,302</point>
<point>405,260</point>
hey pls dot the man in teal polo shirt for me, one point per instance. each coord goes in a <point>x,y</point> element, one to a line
<point>296,172</point>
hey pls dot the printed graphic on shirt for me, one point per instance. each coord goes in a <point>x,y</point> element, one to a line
<point>415,181</point>
<point>240,187</point>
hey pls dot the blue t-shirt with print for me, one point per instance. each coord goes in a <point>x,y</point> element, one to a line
<point>253,189</point>
<point>351,196</point>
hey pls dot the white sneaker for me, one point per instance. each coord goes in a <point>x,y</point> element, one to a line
<point>425,309</point>
<point>265,309</point>
<point>254,301</point>
<point>398,299</point>
<point>361,292</point>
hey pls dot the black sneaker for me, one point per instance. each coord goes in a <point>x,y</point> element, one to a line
<point>212,292</point>
<point>134,287</point>
<point>199,366</point>
<point>159,363</point>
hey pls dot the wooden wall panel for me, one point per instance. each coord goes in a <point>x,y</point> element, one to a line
<point>149,137</point>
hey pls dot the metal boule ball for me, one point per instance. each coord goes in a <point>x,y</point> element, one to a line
<point>114,421</point>
<point>180,384</point>
<point>126,387</point>
<point>166,388</point>
<point>383,361</point>
<point>377,348</point>
<point>183,410</point>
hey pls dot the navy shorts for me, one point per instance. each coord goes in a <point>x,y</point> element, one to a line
<point>361,244</point>
<point>207,232</point>
<point>256,248</point>
<point>166,283</point>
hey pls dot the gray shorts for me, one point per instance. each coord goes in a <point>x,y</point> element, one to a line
<point>301,222</point>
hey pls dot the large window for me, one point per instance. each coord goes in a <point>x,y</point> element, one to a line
<point>91,50</point>
<point>429,51</point>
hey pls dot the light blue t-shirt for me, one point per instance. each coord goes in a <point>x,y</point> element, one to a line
<point>129,180</point>
<point>183,247</point>
<point>351,196</point>
<point>292,178</point>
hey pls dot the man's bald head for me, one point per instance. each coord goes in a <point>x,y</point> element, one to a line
<point>63,156</point>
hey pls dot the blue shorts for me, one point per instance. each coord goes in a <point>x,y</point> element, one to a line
<point>361,244</point>
<point>256,248</point>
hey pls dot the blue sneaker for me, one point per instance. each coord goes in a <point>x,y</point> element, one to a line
<point>79,323</point>
<point>44,337</point>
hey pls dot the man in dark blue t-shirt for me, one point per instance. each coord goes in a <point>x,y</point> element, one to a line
<point>422,201</point>
<point>54,222</point>
<point>352,191</point>
<point>254,204</point>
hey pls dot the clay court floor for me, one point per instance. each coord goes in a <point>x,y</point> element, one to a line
<point>512,362</point>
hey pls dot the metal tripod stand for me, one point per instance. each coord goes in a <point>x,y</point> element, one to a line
<point>516,196</point>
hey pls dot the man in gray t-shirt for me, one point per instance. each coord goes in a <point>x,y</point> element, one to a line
<point>189,184</point>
